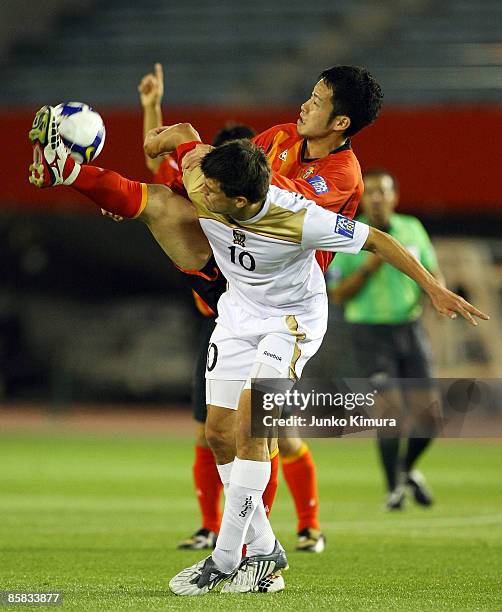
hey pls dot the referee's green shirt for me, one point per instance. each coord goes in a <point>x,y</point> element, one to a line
<point>388,296</point>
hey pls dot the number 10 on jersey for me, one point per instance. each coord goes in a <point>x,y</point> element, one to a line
<point>243,258</point>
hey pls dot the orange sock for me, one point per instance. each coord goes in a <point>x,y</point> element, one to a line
<point>208,488</point>
<point>271,489</point>
<point>111,191</point>
<point>299,473</point>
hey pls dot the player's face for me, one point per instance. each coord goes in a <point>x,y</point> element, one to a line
<point>216,200</point>
<point>379,199</point>
<point>315,113</point>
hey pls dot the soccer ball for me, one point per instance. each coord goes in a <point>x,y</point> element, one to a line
<point>81,129</point>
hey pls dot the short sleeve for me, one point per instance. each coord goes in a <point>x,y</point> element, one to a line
<point>330,231</point>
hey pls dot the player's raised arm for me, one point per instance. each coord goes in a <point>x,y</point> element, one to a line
<point>444,301</point>
<point>151,92</point>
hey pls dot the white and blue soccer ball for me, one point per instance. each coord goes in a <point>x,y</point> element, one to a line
<point>81,129</point>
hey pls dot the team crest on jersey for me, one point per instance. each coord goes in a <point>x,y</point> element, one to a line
<point>318,183</point>
<point>308,172</point>
<point>283,155</point>
<point>239,238</point>
<point>344,226</point>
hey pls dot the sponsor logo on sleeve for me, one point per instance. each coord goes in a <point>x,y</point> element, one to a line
<point>344,226</point>
<point>283,155</point>
<point>318,183</point>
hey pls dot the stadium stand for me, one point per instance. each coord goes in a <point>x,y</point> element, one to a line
<point>460,350</point>
<point>421,51</point>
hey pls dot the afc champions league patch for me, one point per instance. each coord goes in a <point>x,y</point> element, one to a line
<point>344,226</point>
<point>318,183</point>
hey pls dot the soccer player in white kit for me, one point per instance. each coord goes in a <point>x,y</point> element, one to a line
<point>271,319</point>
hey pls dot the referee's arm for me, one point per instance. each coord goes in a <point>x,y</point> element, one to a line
<point>352,284</point>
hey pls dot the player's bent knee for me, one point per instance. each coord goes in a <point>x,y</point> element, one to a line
<point>222,444</point>
<point>174,224</point>
<point>220,433</point>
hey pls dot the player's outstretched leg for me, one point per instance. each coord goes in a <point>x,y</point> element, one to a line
<point>171,218</point>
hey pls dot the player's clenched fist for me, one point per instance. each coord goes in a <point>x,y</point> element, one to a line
<point>151,87</point>
<point>194,157</point>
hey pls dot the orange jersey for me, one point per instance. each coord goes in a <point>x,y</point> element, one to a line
<point>334,181</point>
<point>169,173</point>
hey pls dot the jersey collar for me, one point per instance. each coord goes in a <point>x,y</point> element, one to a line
<point>305,160</point>
<point>259,215</point>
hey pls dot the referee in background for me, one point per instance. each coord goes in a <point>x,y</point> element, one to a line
<point>382,308</point>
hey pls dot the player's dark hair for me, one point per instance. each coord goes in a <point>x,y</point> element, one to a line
<point>382,172</point>
<point>241,168</point>
<point>355,94</point>
<point>233,131</point>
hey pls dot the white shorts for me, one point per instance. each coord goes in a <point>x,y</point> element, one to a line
<point>241,341</point>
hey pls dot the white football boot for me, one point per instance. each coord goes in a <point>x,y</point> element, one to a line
<point>259,573</point>
<point>198,579</point>
<point>52,164</point>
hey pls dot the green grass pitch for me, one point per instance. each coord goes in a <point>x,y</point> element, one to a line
<point>98,519</point>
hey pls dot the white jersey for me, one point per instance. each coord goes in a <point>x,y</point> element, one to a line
<point>269,260</point>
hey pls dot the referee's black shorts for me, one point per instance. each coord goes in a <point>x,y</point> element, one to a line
<point>391,351</point>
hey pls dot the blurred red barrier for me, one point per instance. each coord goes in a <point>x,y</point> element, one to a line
<point>447,159</point>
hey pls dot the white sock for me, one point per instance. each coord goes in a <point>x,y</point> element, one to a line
<point>260,538</point>
<point>248,480</point>
<point>224,471</point>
